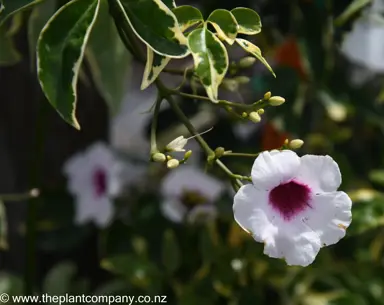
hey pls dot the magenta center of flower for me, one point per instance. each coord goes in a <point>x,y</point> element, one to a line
<point>290,198</point>
<point>100,182</point>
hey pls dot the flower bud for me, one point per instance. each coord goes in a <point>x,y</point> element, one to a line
<point>244,114</point>
<point>177,144</point>
<point>267,95</point>
<point>230,85</point>
<point>276,100</point>
<point>159,157</point>
<point>187,155</point>
<point>260,111</point>
<point>173,163</point>
<point>254,117</point>
<point>247,62</point>
<point>296,144</point>
<point>219,152</point>
<point>242,80</point>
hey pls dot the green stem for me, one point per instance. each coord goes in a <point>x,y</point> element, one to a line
<point>231,154</point>
<point>154,149</point>
<point>19,197</point>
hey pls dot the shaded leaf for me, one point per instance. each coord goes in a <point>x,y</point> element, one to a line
<point>108,59</point>
<point>8,53</point>
<point>153,67</point>
<point>255,51</point>
<point>60,53</point>
<point>1,6</point>
<point>210,60</point>
<point>155,24</point>
<point>58,280</point>
<point>10,7</point>
<point>170,3</point>
<point>3,227</point>
<point>38,18</point>
<point>187,16</point>
<point>248,20</point>
<point>171,255</point>
<point>11,284</point>
<point>377,176</point>
<point>225,25</point>
<point>353,8</point>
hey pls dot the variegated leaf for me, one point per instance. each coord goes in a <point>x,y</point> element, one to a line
<point>187,16</point>
<point>210,58</point>
<point>225,25</point>
<point>154,23</point>
<point>155,64</point>
<point>248,20</point>
<point>255,51</point>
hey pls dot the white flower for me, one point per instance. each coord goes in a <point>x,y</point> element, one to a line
<point>188,183</point>
<point>94,177</point>
<point>177,144</point>
<point>293,205</point>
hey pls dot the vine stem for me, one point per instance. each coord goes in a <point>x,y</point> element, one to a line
<point>231,154</point>
<point>154,149</point>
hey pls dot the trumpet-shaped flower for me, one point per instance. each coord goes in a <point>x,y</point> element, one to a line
<point>293,205</point>
<point>94,177</point>
<point>189,194</point>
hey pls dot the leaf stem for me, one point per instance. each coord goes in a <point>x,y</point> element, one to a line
<point>159,99</point>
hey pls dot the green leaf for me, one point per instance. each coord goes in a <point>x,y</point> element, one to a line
<point>354,7</point>
<point>225,25</point>
<point>170,3</point>
<point>108,59</point>
<point>8,53</point>
<point>155,25</point>
<point>10,7</point>
<point>155,64</point>
<point>59,278</point>
<point>11,284</point>
<point>171,255</point>
<point>3,228</point>
<point>210,58</point>
<point>248,20</point>
<point>187,16</point>
<point>377,176</point>
<point>255,51</point>
<point>38,18</point>
<point>1,6</point>
<point>60,53</point>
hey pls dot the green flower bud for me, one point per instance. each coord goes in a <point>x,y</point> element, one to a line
<point>267,95</point>
<point>242,80</point>
<point>219,152</point>
<point>247,62</point>
<point>244,114</point>
<point>159,157</point>
<point>254,117</point>
<point>260,111</point>
<point>173,163</point>
<point>276,100</point>
<point>296,144</point>
<point>187,155</point>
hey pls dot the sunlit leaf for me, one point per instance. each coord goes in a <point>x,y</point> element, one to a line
<point>38,18</point>
<point>61,49</point>
<point>171,255</point>
<point>59,278</point>
<point>354,7</point>
<point>8,52</point>
<point>155,24</point>
<point>155,64</point>
<point>210,59</point>
<point>187,16</point>
<point>225,25</point>
<point>108,59</point>
<point>377,176</point>
<point>11,7</point>
<point>255,51</point>
<point>248,20</point>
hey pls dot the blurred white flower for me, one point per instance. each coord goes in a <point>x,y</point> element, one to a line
<point>177,144</point>
<point>189,193</point>
<point>95,176</point>
<point>293,205</point>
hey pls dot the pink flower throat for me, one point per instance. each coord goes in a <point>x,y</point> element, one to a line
<point>290,198</point>
<point>99,180</point>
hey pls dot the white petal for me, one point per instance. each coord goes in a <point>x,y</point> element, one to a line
<point>253,214</point>
<point>329,216</point>
<point>173,209</point>
<point>272,168</point>
<point>202,213</point>
<point>84,209</point>
<point>320,173</point>
<point>103,211</point>
<point>296,243</point>
<point>191,179</point>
